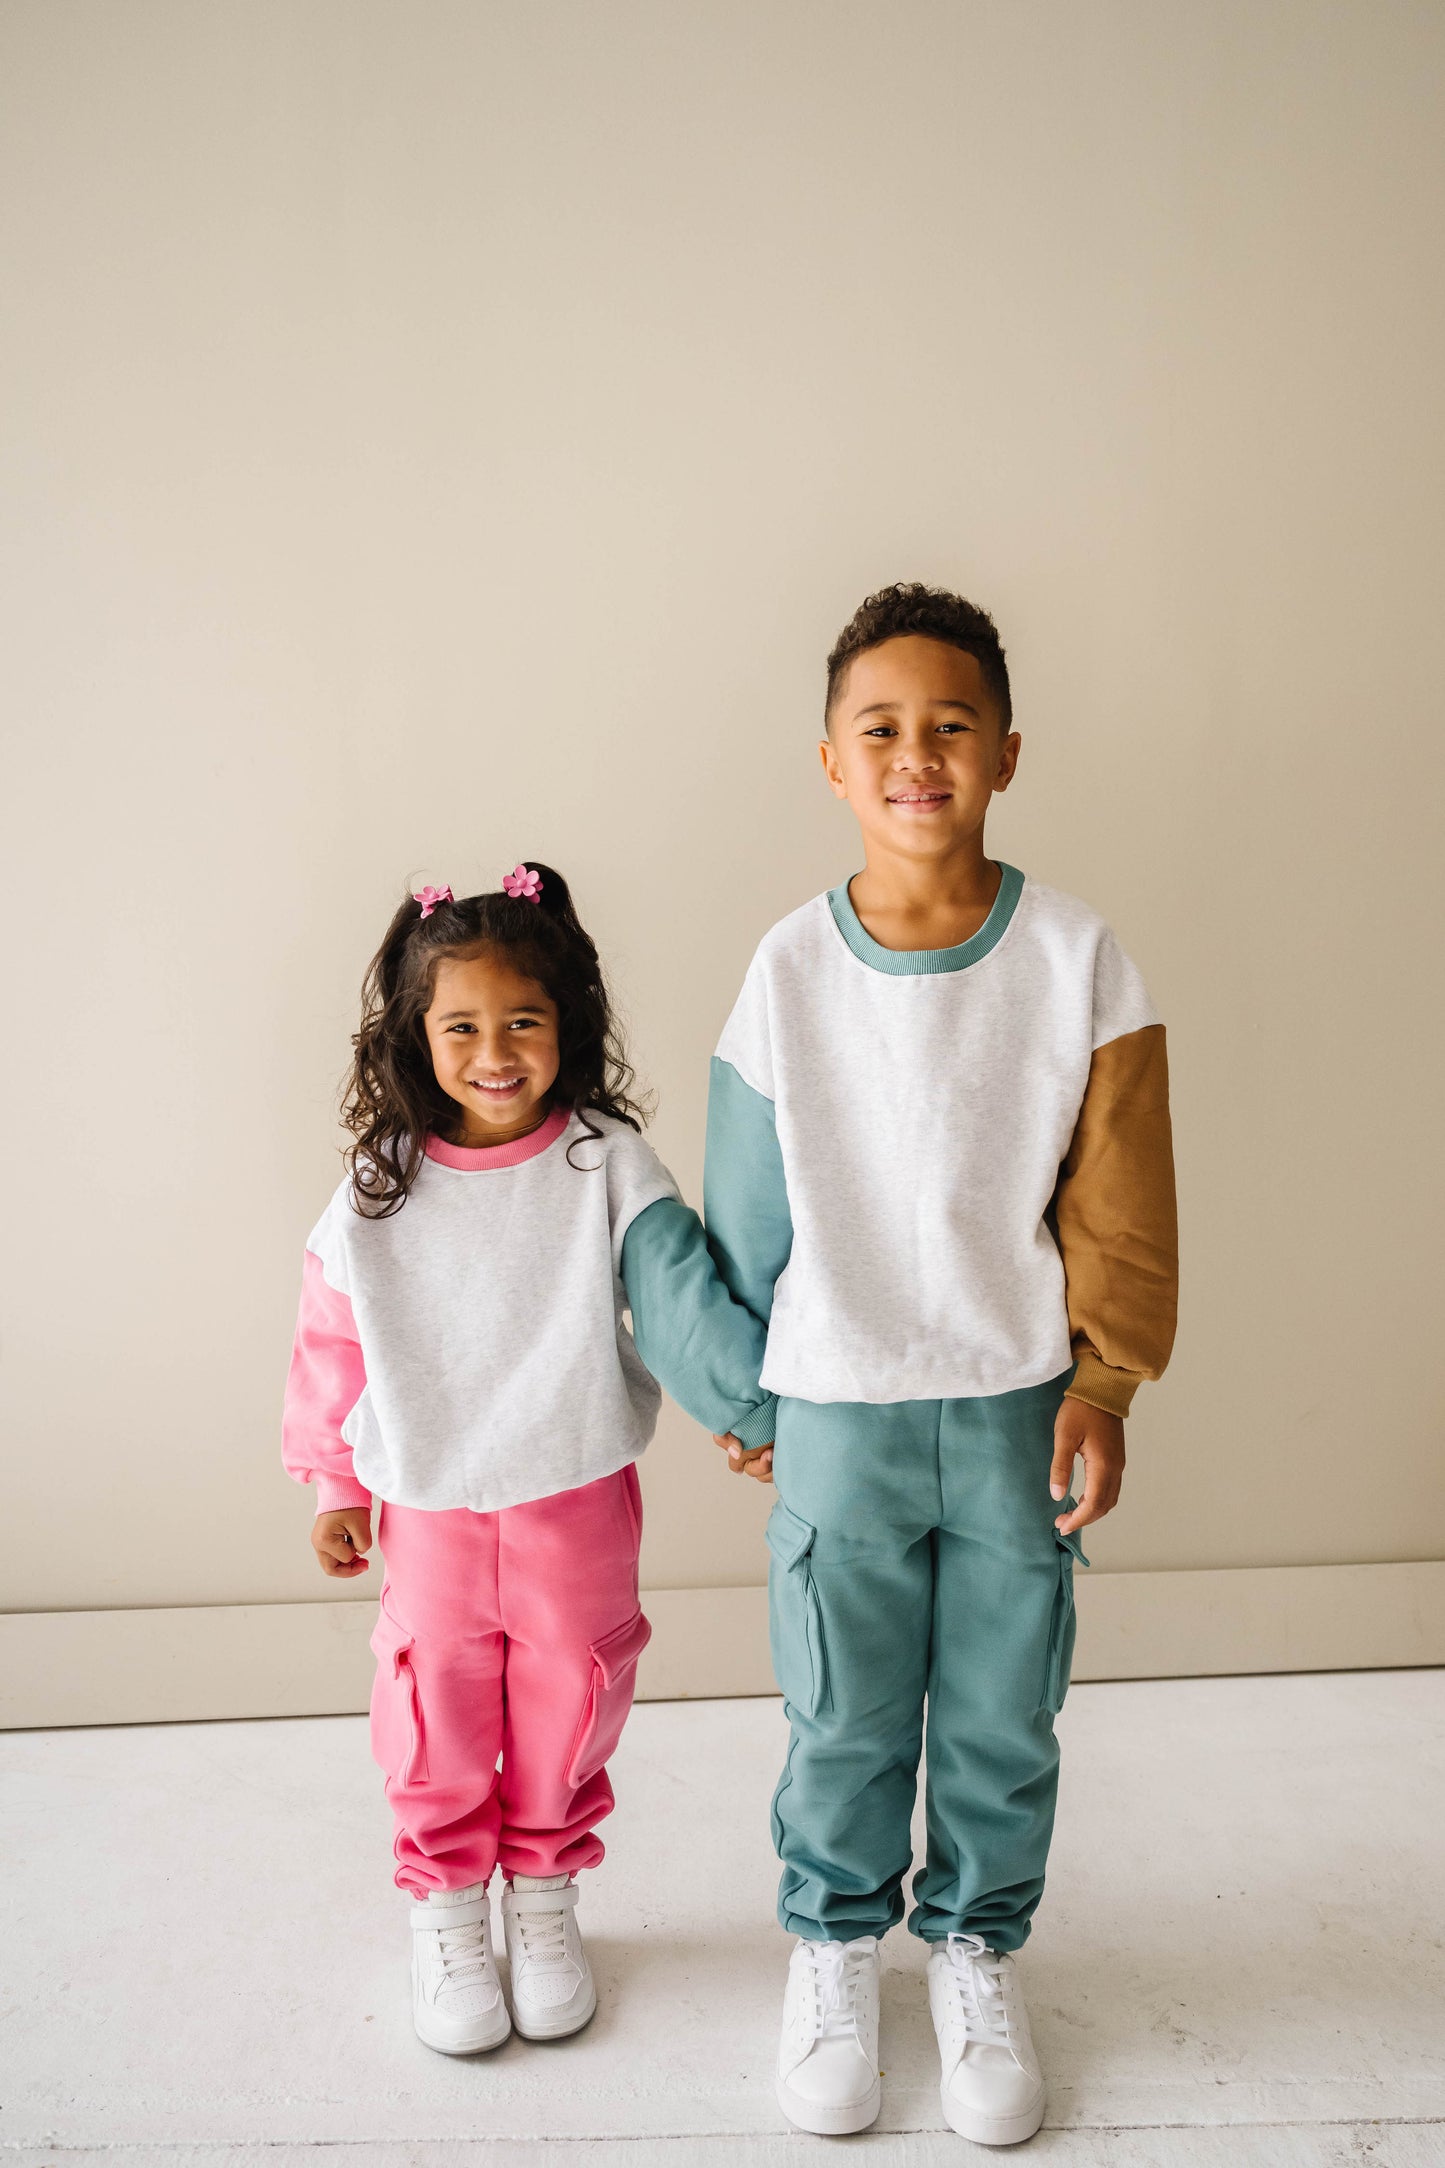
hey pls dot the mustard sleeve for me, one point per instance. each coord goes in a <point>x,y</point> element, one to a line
<point>1114,1210</point>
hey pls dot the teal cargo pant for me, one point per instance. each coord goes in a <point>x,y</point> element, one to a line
<point>915,1561</point>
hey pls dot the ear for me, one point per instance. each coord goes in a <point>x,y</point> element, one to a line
<point>1008,760</point>
<point>831,768</point>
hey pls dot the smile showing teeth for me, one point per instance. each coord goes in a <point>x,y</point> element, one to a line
<point>498,1091</point>
<point>920,797</point>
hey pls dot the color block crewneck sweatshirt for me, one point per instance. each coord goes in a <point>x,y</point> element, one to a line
<point>946,1173</point>
<point>472,1348</point>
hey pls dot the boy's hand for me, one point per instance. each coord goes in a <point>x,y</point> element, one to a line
<point>755,1460</point>
<point>338,1540</point>
<point>1099,1438</point>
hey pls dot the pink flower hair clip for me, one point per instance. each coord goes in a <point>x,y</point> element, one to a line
<point>429,898</point>
<point>523,881</point>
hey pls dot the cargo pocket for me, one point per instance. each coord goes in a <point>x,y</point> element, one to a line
<point>795,1616</point>
<point>609,1697</point>
<point>1062,1621</point>
<point>398,1732</point>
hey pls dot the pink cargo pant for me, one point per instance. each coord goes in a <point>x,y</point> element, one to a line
<point>511,1636</point>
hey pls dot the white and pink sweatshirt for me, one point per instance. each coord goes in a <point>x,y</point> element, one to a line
<point>473,1349</point>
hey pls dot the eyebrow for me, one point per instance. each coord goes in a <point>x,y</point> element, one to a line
<point>457,1016</point>
<point>888,707</point>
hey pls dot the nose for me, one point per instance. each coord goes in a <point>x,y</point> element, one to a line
<point>914,759</point>
<point>495,1055</point>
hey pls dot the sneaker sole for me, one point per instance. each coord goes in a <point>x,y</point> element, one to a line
<point>492,2037</point>
<point>991,2129</point>
<point>558,2029</point>
<point>823,2122</point>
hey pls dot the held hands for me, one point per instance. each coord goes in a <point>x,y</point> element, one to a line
<point>1099,1438</point>
<point>756,1461</point>
<point>1080,1431</point>
<point>339,1538</point>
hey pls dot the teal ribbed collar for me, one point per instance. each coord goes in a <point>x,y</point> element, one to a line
<point>915,963</point>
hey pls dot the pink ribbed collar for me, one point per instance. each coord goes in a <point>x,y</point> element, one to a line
<point>471,1157</point>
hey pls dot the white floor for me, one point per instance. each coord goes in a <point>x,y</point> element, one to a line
<point>1241,1958</point>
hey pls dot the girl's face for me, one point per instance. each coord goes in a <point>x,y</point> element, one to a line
<point>492,1035</point>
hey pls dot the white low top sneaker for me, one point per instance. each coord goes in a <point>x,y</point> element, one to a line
<point>456,1997</point>
<point>992,2089</point>
<point>552,1990</point>
<point>828,2060</point>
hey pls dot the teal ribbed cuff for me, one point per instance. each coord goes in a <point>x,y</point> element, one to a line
<point>758,1427</point>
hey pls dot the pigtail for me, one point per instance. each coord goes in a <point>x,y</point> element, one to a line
<point>555,898</point>
<point>598,1074</point>
<point>391,1099</point>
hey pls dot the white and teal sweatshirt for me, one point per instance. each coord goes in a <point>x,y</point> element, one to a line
<point>944,1173</point>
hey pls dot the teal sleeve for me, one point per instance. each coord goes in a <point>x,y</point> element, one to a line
<point>704,1347</point>
<point>745,1198</point>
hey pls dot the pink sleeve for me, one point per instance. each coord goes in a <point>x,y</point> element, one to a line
<point>327,1379</point>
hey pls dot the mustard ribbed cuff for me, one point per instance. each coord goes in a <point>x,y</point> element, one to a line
<point>1094,1382</point>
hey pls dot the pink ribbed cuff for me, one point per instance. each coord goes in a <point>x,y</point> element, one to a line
<point>335,1492</point>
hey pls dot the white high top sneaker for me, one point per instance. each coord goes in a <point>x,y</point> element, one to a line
<point>828,2060</point>
<point>992,2089</point>
<point>456,1997</point>
<point>552,1990</point>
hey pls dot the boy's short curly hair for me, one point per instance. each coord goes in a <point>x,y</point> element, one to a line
<point>931,613</point>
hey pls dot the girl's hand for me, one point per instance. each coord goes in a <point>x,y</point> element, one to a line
<point>756,1461</point>
<point>1099,1438</point>
<point>339,1538</point>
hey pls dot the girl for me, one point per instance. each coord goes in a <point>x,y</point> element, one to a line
<point>462,1359</point>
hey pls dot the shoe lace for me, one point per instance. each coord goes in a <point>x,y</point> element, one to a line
<point>543,1936</point>
<point>831,1974</point>
<point>986,2011</point>
<point>462,1953</point>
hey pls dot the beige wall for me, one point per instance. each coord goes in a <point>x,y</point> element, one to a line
<point>442,432</point>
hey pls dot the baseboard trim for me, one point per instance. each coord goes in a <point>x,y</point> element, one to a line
<point>311,1659</point>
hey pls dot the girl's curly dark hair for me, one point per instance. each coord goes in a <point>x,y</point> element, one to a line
<point>392,1100</point>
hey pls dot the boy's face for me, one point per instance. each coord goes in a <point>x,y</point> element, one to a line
<point>917,746</point>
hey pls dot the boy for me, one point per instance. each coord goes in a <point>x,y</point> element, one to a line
<point>939,1168</point>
